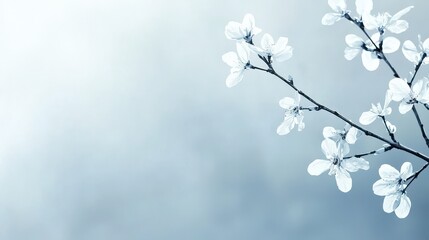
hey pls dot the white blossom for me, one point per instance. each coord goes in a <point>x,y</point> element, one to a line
<point>386,21</point>
<point>392,186</point>
<point>293,115</point>
<point>344,137</point>
<point>412,54</point>
<point>242,31</point>
<point>370,58</point>
<point>340,9</point>
<point>408,96</point>
<point>279,51</point>
<point>377,110</point>
<point>238,62</point>
<point>337,165</point>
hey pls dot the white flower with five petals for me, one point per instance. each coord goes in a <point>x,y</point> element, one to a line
<point>377,110</point>
<point>370,59</point>
<point>238,62</point>
<point>392,186</point>
<point>293,115</point>
<point>408,96</point>
<point>279,51</point>
<point>337,165</point>
<point>385,21</point>
<point>242,31</point>
<point>413,55</point>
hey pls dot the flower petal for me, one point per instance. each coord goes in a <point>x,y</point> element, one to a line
<point>354,41</point>
<point>233,31</point>
<point>391,202</point>
<point>267,42</point>
<point>352,135</point>
<point>370,60</point>
<point>391,44</point>
<point>331,18</point>
<point>284,55</point>
<point>330,132</point>
<point>243,53</point>
<point>426,45</point>
<point>329,148</point>
<point>401,13</point>
<point>351,53</point>
<point>344,181</point>
<point>353,164</point>
<point>287,125</point>
<point>388,172</point>
<point>398,26</point>
<point>363,6</point>
<point>418,86</point>
<point>231,59</point>
<point>234,78</point>
<point>406,170</point>
<point>367,118</point>
<point>405,107</point>
<point>404,207</point>
<point>248,22</point>
<point>384,188</point>
<point>410,52</point>
<point>287,103</point>
<point>399,89</point>
<point>318,167</point>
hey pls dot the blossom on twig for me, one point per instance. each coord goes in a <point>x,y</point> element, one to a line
<point>392,186</point>
<point>337,165</point>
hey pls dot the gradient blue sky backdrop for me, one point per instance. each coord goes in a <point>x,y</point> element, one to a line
<point>115,123</point>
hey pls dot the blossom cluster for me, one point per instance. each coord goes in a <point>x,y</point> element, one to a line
<point>337,142</point>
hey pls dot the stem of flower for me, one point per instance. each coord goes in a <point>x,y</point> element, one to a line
<point>417,69</point>
<point>415,175</point>
<point>368,153</point>
<point>422,129</point>
<point>392,135</point>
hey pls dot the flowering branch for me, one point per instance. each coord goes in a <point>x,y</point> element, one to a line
<point>336,143</point>
<point>396,145</point>
<point>380,54</point>
<point>378,49</point>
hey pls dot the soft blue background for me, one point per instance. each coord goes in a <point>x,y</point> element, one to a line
<point>115,123</point>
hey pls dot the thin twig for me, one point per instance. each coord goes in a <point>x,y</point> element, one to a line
<point>422,129</point>
<point>392,135</point>
<point>368,153</point>
<point>415,175</point>
<point>416,69</point>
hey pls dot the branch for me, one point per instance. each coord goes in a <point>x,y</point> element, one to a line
<point>375,152</point>
<point>422,129</point>
<point>395,145</point>
<point>416,69</point>
<point>415,175</point>
<point>395,73</point>
<point>377,48</point>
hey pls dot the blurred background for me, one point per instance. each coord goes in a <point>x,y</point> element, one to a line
<point>115,123</point>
